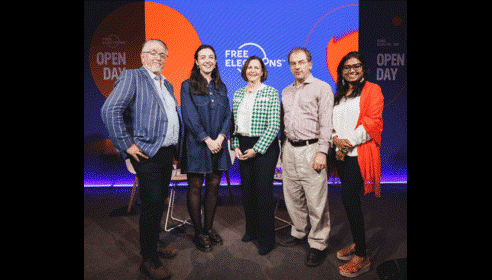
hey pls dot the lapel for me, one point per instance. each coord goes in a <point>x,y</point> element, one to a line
<point>239,96</point>
<point>260,92</point>
<point>153,90</point>
<point>169,87</point>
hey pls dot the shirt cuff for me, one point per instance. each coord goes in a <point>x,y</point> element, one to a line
<point>352,142</point>
<point>203,136</point>
<point>323,149</point>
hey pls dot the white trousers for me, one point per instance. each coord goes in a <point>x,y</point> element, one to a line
<point>306,195</point>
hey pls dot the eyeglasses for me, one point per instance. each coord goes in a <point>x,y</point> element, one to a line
<point>300,63</point>
<point>154,53</point>
<point>356,67</point>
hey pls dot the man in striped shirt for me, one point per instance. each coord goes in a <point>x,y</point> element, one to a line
<point>306,127</point>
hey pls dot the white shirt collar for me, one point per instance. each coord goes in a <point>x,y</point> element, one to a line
<point>261,87</point>
<point>152,75</point>
<point>308,80</point>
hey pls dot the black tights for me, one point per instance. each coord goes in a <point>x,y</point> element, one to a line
<point>195,182</point>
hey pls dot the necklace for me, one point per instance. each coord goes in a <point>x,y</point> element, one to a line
<point>347,95</point>
<point>252,89</point>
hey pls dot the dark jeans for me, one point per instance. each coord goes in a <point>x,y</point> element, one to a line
<point>352,183</point>
<point>154,175</point>
<point>257,187</point>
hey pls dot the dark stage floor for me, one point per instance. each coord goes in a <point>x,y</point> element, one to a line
<point>111,249</point>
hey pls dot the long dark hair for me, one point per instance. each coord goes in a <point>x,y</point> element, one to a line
<point>198,84</point>
<point>343,86</point>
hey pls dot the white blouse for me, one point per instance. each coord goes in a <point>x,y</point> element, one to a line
<point>245,111</point>
<point>345,117</point>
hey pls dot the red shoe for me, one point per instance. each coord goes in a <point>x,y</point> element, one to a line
<point>346,253</point>
<point>355,267</point>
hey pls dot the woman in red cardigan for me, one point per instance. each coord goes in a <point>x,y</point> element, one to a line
<point>357,123</point>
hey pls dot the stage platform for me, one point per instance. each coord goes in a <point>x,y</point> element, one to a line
<point>111,239</point>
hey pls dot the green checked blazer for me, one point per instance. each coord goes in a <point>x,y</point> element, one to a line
<point>265,120</point>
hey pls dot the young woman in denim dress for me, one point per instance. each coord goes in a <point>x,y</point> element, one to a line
<point>207,119</point>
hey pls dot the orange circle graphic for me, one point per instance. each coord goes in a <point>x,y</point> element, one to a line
<point>336,49</point>
<point>181,38</point>
<point>117,43</point>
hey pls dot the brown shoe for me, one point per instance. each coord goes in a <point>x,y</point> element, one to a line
<point>355,267</point>
<point>150,270</point>
<point>167,252</point>
<point>346,253</point>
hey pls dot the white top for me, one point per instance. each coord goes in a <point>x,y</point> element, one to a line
<point>245,111</point>
<point>345,116</point>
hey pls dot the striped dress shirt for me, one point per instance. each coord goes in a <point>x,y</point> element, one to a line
<point>307,112</point>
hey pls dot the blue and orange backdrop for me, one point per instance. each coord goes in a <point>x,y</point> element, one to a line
<point>115,31</point>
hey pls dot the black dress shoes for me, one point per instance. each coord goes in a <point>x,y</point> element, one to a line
<point>291,241</point>
<point>265,250</point>
<point>202,243</point>
<point>315,257</point>
<point>248,238</point>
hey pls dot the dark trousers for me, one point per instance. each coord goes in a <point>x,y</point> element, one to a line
<point>352,183</point>
<point>257,188</point>
<point>154,175</point>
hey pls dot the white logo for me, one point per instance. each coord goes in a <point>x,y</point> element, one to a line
<point>112,41</point>
<point>384,43</point>
<point>237,58</point>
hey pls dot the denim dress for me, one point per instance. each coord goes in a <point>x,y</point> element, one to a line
<point>204,116</point>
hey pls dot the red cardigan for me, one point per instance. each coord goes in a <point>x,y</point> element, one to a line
<point>371,117</point>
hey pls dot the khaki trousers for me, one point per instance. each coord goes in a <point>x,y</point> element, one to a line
<point>306,195</point>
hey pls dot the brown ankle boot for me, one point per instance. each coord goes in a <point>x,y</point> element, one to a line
<point>153,272</point>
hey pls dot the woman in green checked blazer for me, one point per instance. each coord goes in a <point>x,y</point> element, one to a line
<point>256,110</point>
